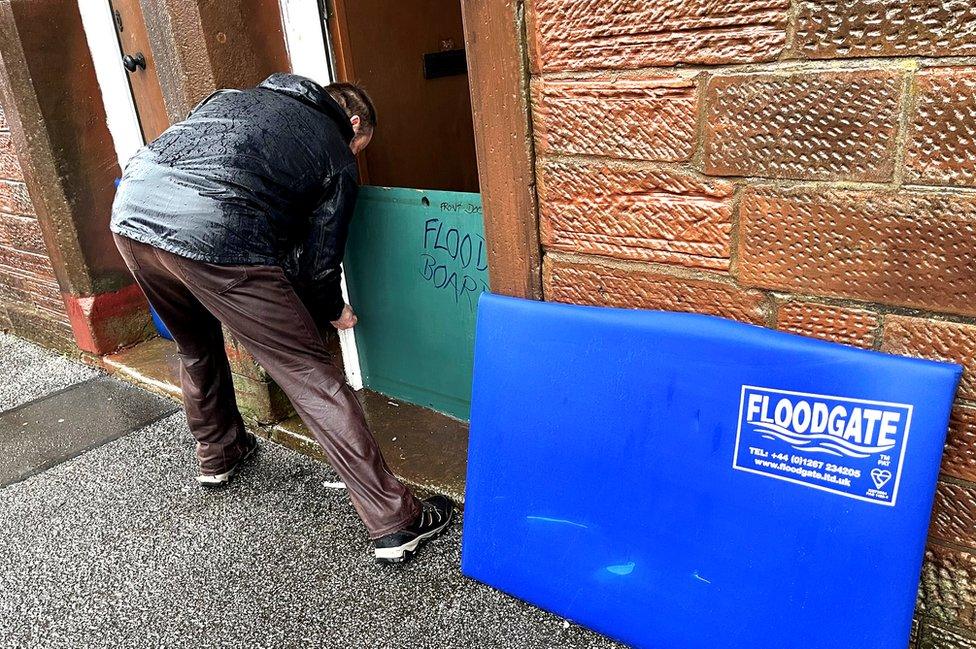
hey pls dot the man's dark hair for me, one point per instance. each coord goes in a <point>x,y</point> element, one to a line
<point>353,98</point>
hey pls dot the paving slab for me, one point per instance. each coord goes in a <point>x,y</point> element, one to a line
<point>41,433</point>
<point>119,548</point>
<point>28,371</point>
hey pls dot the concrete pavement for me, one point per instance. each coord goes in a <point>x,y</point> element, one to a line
<point>118,547</point>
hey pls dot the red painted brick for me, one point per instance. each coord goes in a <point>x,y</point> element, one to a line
<point>106,322</point>
<point>840,324</point>
<point>936,637</point>
<point>828,29</point>
<point>954,515</point>
<point>595,34</point>
<point>601,284</point>
<point>631,213</point>
<point>959,457</point>
<point>652,118</point>
<point>9,165</point>
<point>14,198</point>
<point>21,233</point>
<point>909,249</point>
<point>944,341</point>
<point>948,590</point>
<point>820,126</point>
<point>942,136</point>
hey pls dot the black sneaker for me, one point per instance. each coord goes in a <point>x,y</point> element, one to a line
<point>399,546</point>
<point>217,480</point>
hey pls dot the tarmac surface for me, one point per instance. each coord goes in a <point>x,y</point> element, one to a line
<point>117,547</point>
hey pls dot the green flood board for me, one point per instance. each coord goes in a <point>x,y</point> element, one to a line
<point>416,263</point>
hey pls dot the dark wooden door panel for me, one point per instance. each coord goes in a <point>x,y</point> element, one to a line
<point>425,136</point>
<point>146,91</point>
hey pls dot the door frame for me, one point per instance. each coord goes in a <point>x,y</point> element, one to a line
<point>496,39</point>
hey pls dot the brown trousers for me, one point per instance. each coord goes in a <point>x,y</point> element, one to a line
<point>260,307</point>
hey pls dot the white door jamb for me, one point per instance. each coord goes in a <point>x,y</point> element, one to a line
<point>305,39</point>
<point>120,109</point>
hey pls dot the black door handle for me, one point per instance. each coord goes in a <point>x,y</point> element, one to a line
<point>133,63</point>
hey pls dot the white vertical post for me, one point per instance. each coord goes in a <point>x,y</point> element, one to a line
<point>350,352</point>
<point>305,40</point>
<point>120,109</point>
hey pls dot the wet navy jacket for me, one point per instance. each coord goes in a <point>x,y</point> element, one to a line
<point>256,177</point>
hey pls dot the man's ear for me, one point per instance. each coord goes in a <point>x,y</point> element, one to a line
<point>355,121</point>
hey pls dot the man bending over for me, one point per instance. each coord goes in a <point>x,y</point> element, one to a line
<point>238,216</point>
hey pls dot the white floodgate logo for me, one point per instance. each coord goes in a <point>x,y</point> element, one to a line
<point>815,427</point>
<point>853,447</point>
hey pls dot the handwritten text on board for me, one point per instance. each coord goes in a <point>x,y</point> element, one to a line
<point>452,260</point>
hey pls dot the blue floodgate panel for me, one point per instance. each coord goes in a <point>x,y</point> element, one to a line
<point>158,323</point>
<point>679,481</point>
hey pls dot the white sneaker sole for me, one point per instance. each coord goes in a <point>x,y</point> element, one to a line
<point>402,552</point>
<point>221,479</point>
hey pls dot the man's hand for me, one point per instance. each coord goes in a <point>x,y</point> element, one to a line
<point>347,320</point>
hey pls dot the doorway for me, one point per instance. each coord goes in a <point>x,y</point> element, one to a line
<point>146,93</point>
<point>410,57</point>
<point>416,260</point>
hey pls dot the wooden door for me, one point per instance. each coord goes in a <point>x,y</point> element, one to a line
<point>141,67</point>
<point>425,135</point>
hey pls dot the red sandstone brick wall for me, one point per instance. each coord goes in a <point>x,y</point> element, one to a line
<point>808,165</point>
<point>30,299</point>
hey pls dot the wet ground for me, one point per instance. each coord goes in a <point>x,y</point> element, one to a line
<point>115,546</point>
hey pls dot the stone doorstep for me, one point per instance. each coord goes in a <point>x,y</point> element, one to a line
<point>425,449</point>
<point>152,365</point>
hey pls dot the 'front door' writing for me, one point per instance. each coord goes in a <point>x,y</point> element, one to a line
<point>454,261</point>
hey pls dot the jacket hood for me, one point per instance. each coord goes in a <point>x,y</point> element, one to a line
<point>312,94</point>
